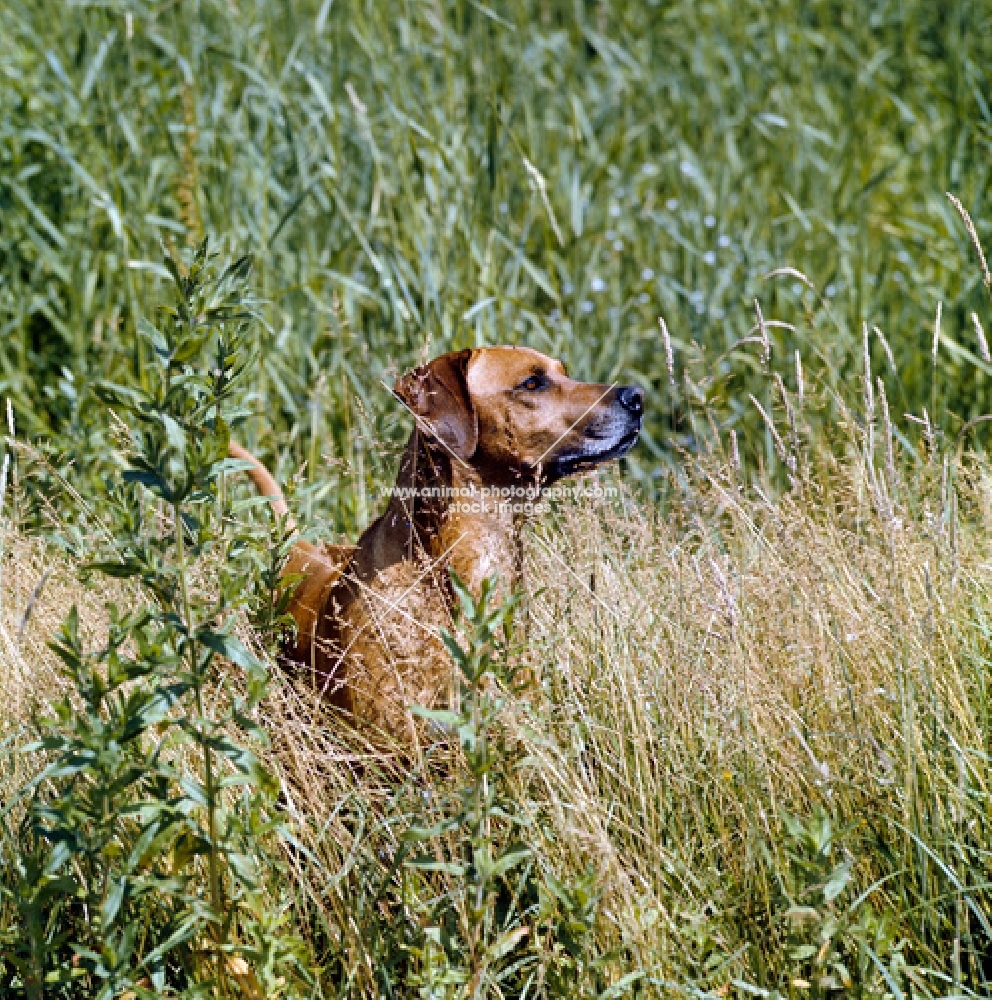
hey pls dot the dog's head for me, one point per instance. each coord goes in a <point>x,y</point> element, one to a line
<point>512,413</point>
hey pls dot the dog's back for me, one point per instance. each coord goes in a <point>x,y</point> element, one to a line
<point>316,568</point>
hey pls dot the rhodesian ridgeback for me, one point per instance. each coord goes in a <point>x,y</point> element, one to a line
<point>493,427</point>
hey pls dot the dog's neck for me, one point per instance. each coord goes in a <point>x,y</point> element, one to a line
<point>448,513</point>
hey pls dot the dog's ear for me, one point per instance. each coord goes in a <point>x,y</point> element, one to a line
<point>437,395</point>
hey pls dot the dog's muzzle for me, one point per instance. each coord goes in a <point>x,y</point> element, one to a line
<point>609,435</point>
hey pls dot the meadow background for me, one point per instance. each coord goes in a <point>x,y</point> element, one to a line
<point>757,762</point>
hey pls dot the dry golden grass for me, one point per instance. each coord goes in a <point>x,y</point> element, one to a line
<point>37,588</point>
<point>739,659</point>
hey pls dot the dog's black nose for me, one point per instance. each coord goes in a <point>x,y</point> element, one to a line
<point>631,398</point>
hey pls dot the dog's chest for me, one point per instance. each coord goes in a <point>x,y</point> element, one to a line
<point>395,656</point>
<point>477,549</point>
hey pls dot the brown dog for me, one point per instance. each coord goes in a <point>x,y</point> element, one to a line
<point>493,425</point>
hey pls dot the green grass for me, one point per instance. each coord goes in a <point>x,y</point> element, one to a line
<point>756,761</point>
<point>417,176</point>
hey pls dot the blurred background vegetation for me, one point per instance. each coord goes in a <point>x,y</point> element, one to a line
<point>417,176</point>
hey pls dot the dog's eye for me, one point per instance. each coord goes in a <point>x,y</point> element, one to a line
<point>534,382</point>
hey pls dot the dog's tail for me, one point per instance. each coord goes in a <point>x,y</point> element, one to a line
<point>264,481</point>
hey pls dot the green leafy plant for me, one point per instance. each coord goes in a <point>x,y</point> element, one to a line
<point>838,944</point>
<point>469,942</point>
<point>503,926</point>
<point>148,859</point>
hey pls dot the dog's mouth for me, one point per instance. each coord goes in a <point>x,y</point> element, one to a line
<point>573,462</point>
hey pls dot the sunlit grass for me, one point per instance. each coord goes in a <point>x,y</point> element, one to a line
<point>762,677</point>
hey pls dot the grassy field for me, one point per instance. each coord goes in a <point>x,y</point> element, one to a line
<point>753,758</point>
